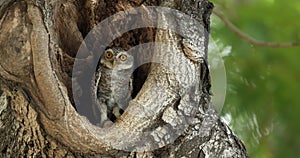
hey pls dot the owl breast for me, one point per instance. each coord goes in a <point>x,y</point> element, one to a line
<point>114,88</point>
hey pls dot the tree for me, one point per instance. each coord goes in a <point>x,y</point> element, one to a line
<point>39,43</point>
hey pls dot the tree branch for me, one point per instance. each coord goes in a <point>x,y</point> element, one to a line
<point>251,39</point>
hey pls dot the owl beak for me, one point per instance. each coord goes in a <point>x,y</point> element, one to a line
<point>114,63</point>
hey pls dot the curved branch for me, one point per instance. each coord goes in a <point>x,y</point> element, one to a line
<point>61,121</point>
<point>251,39</point>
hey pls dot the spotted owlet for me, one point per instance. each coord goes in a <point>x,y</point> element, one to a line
<point>114,83</point>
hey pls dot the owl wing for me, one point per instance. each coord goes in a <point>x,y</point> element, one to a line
<point>128,95</point>
<point>97,113</point>
<point>96,81</point>
<point>130,87</point>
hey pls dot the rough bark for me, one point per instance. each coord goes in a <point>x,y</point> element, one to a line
<point>38,45</point>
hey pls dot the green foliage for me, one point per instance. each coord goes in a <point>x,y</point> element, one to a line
<point>263,89</point>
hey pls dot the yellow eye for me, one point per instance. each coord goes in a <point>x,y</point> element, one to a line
<point>108,54</point>
<point>123,57</point>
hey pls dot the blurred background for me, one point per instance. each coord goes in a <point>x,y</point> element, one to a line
<point>262,103</point>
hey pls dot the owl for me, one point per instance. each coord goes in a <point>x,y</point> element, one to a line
<point>114,83</point>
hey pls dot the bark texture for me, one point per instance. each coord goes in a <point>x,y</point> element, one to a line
<point>38,45</point>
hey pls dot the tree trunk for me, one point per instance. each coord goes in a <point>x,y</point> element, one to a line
<point>39,41</point>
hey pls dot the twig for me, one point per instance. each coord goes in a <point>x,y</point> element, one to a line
<point>250,39</point>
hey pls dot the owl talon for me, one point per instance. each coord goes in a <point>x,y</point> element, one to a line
<point>107,124</point>
<point>116,112</point>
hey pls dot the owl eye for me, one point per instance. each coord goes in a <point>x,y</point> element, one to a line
<point>108,54</point>
<point>123,57</point>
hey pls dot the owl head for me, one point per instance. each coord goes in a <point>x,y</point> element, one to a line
<point>116,58</point>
